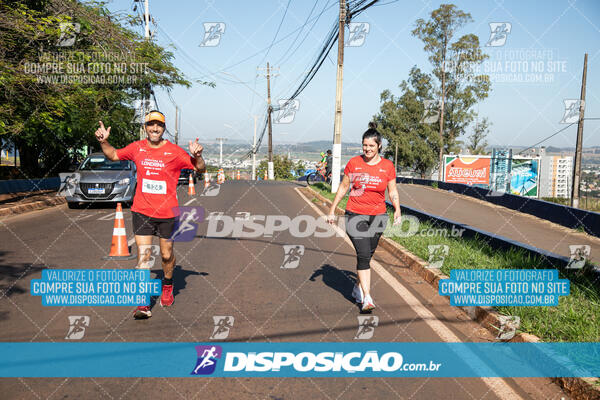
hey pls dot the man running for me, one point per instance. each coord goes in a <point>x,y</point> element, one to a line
<point>159,163</point>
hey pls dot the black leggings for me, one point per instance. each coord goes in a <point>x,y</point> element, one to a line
<point>364,232</point>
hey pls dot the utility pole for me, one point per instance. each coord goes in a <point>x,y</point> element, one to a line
<point>146,20</point>
<point>221,140</point>
<point>270,74</point>
<point>577,166</point>
<point>270,111</point>
<point>143,109</point>
<point>337,125</point>
<point>176,125</point>
<point>396,158</point>
<point>254,149</point>
<point>442,104</point>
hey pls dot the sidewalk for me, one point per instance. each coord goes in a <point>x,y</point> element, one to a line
<point>497,220</point>
<point>18,203</point>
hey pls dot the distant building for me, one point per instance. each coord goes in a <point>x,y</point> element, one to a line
<point>556,176</point>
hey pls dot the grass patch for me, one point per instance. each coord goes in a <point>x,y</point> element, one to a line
<point>575,319</point>
<point>325,190</point>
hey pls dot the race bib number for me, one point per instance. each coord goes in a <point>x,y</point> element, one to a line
<point>154,187</point>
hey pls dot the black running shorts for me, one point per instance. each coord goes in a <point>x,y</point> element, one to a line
<point>149,226</point>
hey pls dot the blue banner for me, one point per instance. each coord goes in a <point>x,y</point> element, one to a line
<point>504,287</point>
<point>95,287</point>
<point>300,359</point>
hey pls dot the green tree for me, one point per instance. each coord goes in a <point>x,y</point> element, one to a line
<point>399,121</point>
<point>48,121</point>
<point>300,168</point>
<point>477,142</point>
<point>453,63</point>
<point>282,167</point>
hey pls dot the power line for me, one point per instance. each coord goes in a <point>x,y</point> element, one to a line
<point>278,41</point>
<point>554,134</point>
<point>299,32</point>
<point>549,137</point>
<point>354,9</point>
<point>276,33</point>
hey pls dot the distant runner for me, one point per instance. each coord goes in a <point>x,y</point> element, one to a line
<point>159,163</point>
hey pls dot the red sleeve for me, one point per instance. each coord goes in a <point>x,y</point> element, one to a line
<point>127,152</point>
<point>185,160</point>
<point>392,172</point>
<point>349,167</point>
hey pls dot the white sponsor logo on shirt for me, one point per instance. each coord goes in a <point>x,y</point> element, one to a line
<point>154,187</point>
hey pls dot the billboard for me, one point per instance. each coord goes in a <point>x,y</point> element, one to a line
<point>525,176</point>
<point>467,169</point>
<point>500,170</point>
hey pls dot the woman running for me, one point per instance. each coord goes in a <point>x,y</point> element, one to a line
<point>367,175</point>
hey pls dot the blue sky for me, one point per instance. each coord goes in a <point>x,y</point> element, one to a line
<point>520,113</point>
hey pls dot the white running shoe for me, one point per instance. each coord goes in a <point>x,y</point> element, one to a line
<point>357,293</point>
<point>368,303</point>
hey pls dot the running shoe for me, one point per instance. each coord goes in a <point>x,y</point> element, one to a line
<point>357,293</point>
<point>142,312</point>
<point>368,304</point>
<point>166,298</point>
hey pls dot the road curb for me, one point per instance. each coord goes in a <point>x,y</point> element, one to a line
<point>33,206</point>
<point>577,388</point>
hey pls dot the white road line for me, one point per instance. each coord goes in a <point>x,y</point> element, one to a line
<point>497,385</point>
<point>107,217</point>
<point>189,201</point>
<point>83,216</point>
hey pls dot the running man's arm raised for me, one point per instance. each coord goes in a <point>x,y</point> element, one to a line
<point>102,135</point>
<point>196,152</point>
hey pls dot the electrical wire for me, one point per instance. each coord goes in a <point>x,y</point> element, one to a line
<point>549,137</point>
<point>331,38</point>
<point>278,41</point>
<point>277,32</point>
<point>299,32</point>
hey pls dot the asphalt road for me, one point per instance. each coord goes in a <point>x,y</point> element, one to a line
<point>241,278</point>
<point>523,228</point>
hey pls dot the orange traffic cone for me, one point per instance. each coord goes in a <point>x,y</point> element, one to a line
<point>238,177</point>
<point>206,180</point>
<point>118,248</point>
<point>221,176</point>
<point>191,187</point>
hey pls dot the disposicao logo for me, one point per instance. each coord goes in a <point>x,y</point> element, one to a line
<point>207,359</point>
<point>307,361</point>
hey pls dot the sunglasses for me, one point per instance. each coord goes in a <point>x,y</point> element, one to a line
<point>151,123</point>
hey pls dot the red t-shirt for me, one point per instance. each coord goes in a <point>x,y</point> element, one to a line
<point>158,171</point>
<point>368,184</point>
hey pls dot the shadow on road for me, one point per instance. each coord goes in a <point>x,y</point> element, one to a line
<point>12,276</point>
<point>306,248</point>
<point>339,280</point>
<point>179,277</point>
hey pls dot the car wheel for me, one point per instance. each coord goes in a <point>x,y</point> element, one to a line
<point>73,205</point>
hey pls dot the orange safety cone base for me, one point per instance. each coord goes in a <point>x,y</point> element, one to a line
<point>119,250</point>
<point>191,186</point>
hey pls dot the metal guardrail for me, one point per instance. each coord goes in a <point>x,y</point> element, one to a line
<point>569,217</point>
<point>29,185</point>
